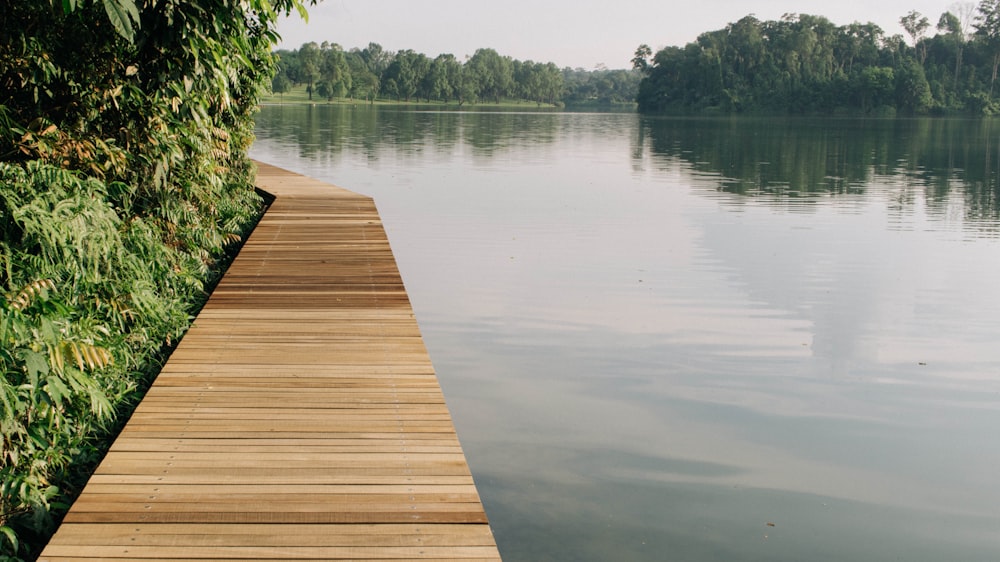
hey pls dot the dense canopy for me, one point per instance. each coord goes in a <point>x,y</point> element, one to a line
<point>330,72</point>
<point>806,64</point>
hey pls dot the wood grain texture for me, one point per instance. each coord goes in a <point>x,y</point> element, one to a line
<point>300,418</point>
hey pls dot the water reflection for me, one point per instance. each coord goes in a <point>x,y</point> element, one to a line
<point>327,131</point>
<point>653,344</point>
<point>799,163</point>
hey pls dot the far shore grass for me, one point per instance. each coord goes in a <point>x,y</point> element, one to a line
<point>298,96</point>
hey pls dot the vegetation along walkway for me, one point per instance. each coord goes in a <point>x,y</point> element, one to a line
<point>299,419</point>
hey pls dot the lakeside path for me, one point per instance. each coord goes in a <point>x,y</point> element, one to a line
<point>300,418</point>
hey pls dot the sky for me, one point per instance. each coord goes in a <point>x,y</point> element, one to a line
<point>579,34</point>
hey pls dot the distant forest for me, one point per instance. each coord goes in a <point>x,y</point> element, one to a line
<point>329,72</point>
<point>806,64</point>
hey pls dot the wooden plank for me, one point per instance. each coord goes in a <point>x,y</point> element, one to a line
<point>313,534</point>
<point>205,491</point>
<point>264,553</point>
<point>299,419</point>
<point>285,445</point>
<point>288,477</point>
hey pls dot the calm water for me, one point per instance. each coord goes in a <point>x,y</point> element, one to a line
<point>698,339</point>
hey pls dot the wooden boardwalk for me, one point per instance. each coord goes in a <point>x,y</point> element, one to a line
<point>299,419</point>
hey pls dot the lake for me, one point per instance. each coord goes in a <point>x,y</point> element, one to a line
<point>697,339</point>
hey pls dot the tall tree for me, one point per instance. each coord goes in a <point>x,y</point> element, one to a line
<point>987,24</point>
<point>913,93</point>
<point>494,72</point>
<point>551,84</point>
<point>467,85</point>
<point>334,74</point>
<point>405,73</point>
<point>640,60</point>
<point>916,26</point>
<point>280,83</point>
<point>858,43</point>
<point>310,59</point>
<point>949,27</point>
<point>364,83</point>
<point>876,86</point>
<point>442,78</point>
<point>964,12</point>
<point>376,58</point>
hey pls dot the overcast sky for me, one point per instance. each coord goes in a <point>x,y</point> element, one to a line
<point>583,33</point>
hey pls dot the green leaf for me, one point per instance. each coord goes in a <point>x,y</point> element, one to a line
<point>56,391</point>
<point>122,14</point>
<point>35,363</point>
<point>38,436</point>
<point>11,536</point>
<point>303,12</point>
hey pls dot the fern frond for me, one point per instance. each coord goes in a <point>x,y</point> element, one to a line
<point>220,133</point>
<point>56,359</point>
<point>27,295</point>
<point>85,355</point>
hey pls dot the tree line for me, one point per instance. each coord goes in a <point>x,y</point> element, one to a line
<point>328,72</point>
<point>806,64</point>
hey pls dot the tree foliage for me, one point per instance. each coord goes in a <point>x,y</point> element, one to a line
<point>915,24</point>
<point>486,76</point>
<point>806,64</point>
<point>124,178</point>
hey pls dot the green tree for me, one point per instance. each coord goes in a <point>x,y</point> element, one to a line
<point>857,43</point>
<point>550,84</point>
<point>405,73</point>
<point>288,64</point>
<point>913,93</point>
<point>964,12</point>
<point>467,90</point>
<point>280,83</point>
<point>442,78</point>
<point>310,59</point>
<point>987,23</point>
<point>804,63</point>
<point>916,26</point>
<point>376,58</point>
<point>494,73</point>
<point>364,83</point>
<point>953,27</point>
<point>640,60</point>
<point>876,86</point>
<point>334,73</point>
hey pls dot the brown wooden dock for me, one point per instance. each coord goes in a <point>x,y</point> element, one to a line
<point>299,419</point>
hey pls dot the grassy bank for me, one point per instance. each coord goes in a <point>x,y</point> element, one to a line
<point>299,96</point>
